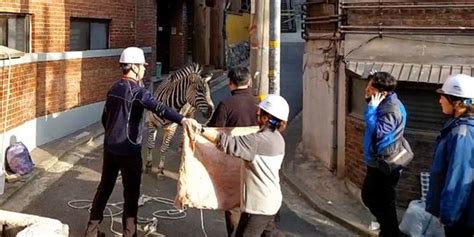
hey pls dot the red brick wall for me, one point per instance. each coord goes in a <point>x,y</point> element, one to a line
<point>355,167</point>
<point>42,88</point>
<point>413,17</point>
<point>409,186</point>
<point>39,89</point>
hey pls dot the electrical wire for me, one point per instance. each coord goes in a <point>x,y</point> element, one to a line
<point>428,41</point>
<point>360,46</point>
<point>202,224</point>
<point>151,223</point>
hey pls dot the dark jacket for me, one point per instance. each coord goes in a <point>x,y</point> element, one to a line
<point>123,113</point>
<point>451,190</point>
<point>384,129</point>
<point>239,110</point>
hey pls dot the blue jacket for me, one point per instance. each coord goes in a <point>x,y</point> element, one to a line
<point>451,195</point>
<point>122,117</point>
<point>384,127</point>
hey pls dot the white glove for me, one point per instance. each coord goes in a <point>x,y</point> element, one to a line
<point>376,99</point>
<point>192,124</point>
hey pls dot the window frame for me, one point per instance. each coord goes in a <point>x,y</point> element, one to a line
<point>238,11</point>
<point>90,21</point>
<point>27,30</point>
<point>350,77</point>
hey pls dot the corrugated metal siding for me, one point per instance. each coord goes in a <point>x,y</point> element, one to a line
<point>423,110</point>
<point>422,73</point>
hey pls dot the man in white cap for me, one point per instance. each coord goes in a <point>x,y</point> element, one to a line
<point>122,120</point>
<point>451,190</point>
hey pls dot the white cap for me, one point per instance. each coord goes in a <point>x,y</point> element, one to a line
<point>133,55</point>
<point>459,85</point>
<point>276,106</point>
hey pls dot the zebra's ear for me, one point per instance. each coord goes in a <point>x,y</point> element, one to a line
<point>207,77</point>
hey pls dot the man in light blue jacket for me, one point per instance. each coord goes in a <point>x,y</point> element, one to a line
<point>451,194</point>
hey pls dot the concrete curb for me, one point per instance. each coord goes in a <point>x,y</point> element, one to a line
<point>319,204</point>
<point>46,156</point>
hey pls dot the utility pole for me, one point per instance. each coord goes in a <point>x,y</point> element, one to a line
<point>274,62</point>
<point>259,39</point>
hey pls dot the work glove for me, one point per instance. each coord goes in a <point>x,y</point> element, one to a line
<point>191,124</point>
<point>376,99</point>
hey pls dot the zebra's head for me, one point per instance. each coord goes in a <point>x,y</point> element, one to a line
<point>199,94</point>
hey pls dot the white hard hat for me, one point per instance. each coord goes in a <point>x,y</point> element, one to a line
<point>459,85</point>
<point>133,55</point>
<point>276,106</point>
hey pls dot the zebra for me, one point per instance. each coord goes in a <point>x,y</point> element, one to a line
<point>184,90</point>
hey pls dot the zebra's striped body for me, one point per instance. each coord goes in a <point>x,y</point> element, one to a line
<point>185,90</point>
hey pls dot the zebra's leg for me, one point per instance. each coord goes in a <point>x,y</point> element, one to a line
<point>168,134</point>
<point>150,145</point>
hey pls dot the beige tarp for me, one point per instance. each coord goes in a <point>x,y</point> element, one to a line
<point>208,178</point>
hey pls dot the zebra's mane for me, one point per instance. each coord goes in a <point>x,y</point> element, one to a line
<point>164,89</point>
<point>185,71</point>
<point>179,75</point>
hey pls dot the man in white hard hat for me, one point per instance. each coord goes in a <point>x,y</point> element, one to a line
<point>122,120</point>
<point>263,154</point>
<point>451,190</point>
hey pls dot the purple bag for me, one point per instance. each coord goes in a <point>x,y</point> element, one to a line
<point>18,159</point>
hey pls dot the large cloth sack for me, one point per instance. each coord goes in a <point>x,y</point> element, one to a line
<point>417,222</point>
<point>209,178</point>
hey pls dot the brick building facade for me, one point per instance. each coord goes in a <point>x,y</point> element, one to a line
<point>419,45</point>
<point>57,86</point>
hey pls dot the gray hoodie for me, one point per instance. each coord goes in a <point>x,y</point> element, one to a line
<point>263,154</point>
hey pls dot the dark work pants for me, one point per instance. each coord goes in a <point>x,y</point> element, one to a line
<point>458,231</point>
<point>251,225</point>
<point>378,194</point>
<point>130,166</point>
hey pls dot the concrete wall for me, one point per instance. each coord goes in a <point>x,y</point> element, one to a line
<point>319,102</point>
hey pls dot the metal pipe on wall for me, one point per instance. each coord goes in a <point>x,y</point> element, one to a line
<point>258,46</point>
<point>461,28</point>
<point>401,6</point>
<point>323,17</point>
<point>274,54</point>
<point>404,32</point>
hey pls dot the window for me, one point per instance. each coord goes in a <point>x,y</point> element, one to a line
<point>15,31</point>
<point>357,91</point>
<point>420,100</point>
<point>239,6</point>
<point>245,5</point>
<point>87,34</point>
